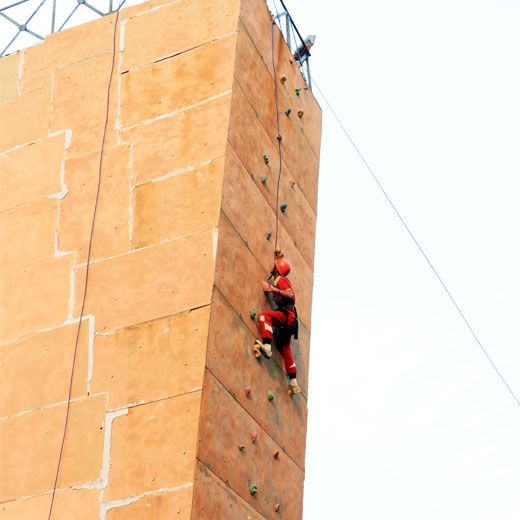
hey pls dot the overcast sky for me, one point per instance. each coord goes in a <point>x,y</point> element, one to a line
<point>407,419</point>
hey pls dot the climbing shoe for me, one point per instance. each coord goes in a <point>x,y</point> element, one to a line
<point>293,387</point>
<point>262,348</point>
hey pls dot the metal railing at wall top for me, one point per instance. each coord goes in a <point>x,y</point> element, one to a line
<point>299,46</point>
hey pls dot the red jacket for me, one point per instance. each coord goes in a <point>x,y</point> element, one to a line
<point>283,284</point>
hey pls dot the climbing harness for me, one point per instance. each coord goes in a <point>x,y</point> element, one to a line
<point>292,329</point>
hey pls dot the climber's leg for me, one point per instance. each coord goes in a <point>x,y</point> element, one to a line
<point>267,321</point>
<point>290,365</point>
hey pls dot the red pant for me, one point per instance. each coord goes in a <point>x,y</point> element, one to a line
<point>267,320</point>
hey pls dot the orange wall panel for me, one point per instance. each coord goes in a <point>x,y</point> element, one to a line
<point>179,247</point>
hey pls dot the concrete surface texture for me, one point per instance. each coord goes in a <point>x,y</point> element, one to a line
<point>180,246</point>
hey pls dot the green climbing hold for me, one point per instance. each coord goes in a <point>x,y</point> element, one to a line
<point>283,207</point>
<point>268,235</point>
<point>287,112</point>
<point>270,395</point>
<point>297,90</point>
<point>264,179</point>
<point>252,313</point>
<point>253,488</point>
<point>266,158</point>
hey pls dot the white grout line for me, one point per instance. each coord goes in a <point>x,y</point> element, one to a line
<point>70,316</point>
<point>156,8</point>
<point>120,502</point>
<point>131,188</point>
<point>91,336</point>
<point>18,146</point>
<point>135,404</point>
<point>48,406</point>
<point>122,32</point>
<point>20,73</point>
<point>102,481</point>
<point>178,111</point>
<point>180,171</point>
<point>109,420</point>
<point>143,248</point>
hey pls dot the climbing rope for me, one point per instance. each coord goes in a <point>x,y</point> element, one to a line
<point>283,207</point>
<point>87,267</point>
<point>419,247</point>
<point>278,136</point>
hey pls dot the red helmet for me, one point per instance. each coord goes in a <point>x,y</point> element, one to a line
<point>283,266</point>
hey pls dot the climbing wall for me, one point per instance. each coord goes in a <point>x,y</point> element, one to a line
<point>160,425</point>
<point>246,439</point>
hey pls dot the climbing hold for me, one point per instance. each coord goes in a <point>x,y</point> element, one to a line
<point>297,90</point>
<point>241,447</point>
<point>276,508</point>
<point>283,79</point>
<point>266,158</point>
<point>279,137</point>
<point>283,207</point>
<point>268,235</point>
<point>252,314</point>
<point>247,391</point>
<point>264,179</point>
<point>306,87</point>
<point>253,488</point>
<point>270,395</point>
<point>276,454</point>
<point>254,436</point>
<point>300,113</point>
<point>288,111</point>
<point>293,184</point>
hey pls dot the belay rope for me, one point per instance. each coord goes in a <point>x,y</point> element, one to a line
<point>278,135</point>
<point>87,267</point>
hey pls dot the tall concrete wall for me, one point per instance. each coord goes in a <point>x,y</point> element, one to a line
<point>179,248</point>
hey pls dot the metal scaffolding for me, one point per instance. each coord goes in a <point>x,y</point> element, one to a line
<point>31,17</point>
<point>299,47</point>
<point>25,22</point>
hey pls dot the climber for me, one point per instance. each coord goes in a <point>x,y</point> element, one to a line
<point>284,319</point>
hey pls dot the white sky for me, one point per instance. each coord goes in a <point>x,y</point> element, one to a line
<point>407,419</point>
